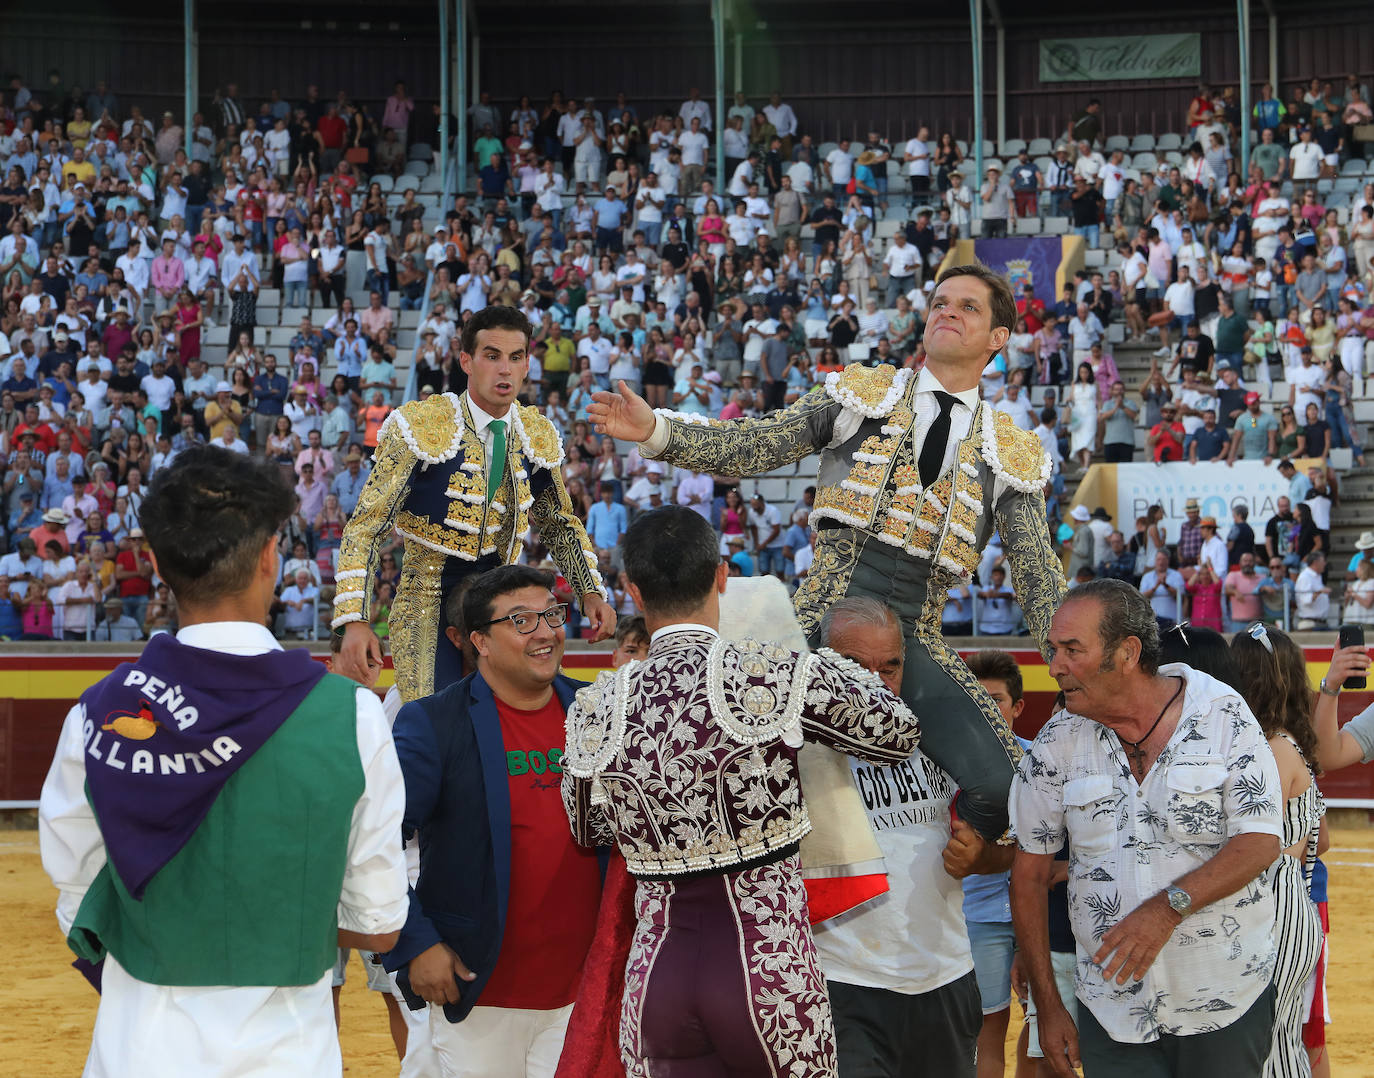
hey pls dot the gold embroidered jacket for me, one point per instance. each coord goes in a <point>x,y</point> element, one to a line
<point>429,482</point>
<point>687,759</point>
<point>863,422</point>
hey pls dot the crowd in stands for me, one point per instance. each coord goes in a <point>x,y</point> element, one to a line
<point>121,256</point>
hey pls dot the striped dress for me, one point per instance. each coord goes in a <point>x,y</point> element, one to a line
<point>1298,932</point>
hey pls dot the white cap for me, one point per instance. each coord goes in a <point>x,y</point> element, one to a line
<point>1080,513</point>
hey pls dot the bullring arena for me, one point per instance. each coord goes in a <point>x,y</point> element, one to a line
<point>49,1009</point>
<point>944,134</point>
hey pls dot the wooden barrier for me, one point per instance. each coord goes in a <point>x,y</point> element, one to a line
<point>39,685</point>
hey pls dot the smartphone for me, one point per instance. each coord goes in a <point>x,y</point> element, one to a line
<point>1352,636</point>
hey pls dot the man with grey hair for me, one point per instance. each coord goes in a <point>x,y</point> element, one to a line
<point>1163,785</point>
<point>899,968</point>
<point>117,626</point>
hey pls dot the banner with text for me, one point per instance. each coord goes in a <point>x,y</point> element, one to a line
<point>1217,487</point>
<point>1103,59</point>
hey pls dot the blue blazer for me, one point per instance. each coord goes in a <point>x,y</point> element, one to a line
<point>453,758</point>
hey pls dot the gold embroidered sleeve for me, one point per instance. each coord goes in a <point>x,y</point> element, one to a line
<point>369,527</point>
<point>850,709</point>
<point>741,447</point>
<point>552,513</point>
<point>1036,574</point>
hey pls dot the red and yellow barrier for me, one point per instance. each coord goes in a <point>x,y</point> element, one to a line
<point>38,688</point>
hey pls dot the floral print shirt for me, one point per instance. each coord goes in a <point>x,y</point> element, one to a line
<point>1216,778</point>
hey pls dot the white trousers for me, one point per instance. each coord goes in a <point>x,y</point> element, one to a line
<point>420,1060</point>
<point>502,1041</point>
<point>1352,358</point>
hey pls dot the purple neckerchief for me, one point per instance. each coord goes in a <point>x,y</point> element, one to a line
<point>165,733</point>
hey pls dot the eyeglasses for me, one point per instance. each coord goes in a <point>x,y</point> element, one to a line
<point>1257,631</point>
<point>525,622</point>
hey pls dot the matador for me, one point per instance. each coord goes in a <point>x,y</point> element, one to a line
<point>460,478</point>
<point>915,474</point>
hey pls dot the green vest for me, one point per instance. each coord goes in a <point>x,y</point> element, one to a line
<point>252,898</point>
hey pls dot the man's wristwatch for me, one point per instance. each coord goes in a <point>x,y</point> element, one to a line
<point>1329,690</point>
<point>1180,901</point>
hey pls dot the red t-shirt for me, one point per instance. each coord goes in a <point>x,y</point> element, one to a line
<point>555,884</point>
<point>133,585</point>
<point>1170,444</point>
<point>45,438</point>
<point>250,198</point>
<point>332,130</point>
<point>1034,313</point>
<point>343,191</point>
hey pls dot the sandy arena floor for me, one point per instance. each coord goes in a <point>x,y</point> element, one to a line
<point>49,1009</point>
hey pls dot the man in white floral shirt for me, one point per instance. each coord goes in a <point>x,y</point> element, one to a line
<point>1162,782</point>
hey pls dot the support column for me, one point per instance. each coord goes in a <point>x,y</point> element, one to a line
<point>460,52</point>
<point>445,97</point>
<point>739,59</point>
<point>1274,54</point>
<point>975,8</point>
<point>191,83</point>
<point>1243,28</point>
<point>996,12</point>
<point>718,54</point>
<point>475,59</point>
<point>1001,86</point>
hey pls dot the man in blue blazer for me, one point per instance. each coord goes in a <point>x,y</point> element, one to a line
<point>505,906</point>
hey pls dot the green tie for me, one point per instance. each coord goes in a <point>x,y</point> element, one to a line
<point>497,470</point>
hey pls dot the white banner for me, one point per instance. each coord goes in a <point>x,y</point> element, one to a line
<point>1217,487</point>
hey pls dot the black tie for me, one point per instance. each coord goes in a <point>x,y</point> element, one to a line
<point>933,452</point>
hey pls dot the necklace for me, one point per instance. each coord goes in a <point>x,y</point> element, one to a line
<point>1135,752</point>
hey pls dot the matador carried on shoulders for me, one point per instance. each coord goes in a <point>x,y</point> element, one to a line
<point>916,472</point>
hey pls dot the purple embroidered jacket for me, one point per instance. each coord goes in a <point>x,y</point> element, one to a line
<point>687,760</point>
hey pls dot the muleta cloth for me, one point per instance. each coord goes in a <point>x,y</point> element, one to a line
<point>842,864</point>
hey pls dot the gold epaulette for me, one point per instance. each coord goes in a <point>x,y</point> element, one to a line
<point>432,428</point>
<point>1015,455</point>
<point>541,439</point>
<point>870,391</point>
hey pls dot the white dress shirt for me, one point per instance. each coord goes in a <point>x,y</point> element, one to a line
<point>481,426</point>
<point>782,118</point>
<point>697,109</point>
<point>927,408</point>
<point>160,1031</point>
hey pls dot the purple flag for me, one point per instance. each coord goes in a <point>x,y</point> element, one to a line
<point>164,734</point>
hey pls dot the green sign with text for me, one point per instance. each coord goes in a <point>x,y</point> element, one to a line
<point>1101,59</point>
